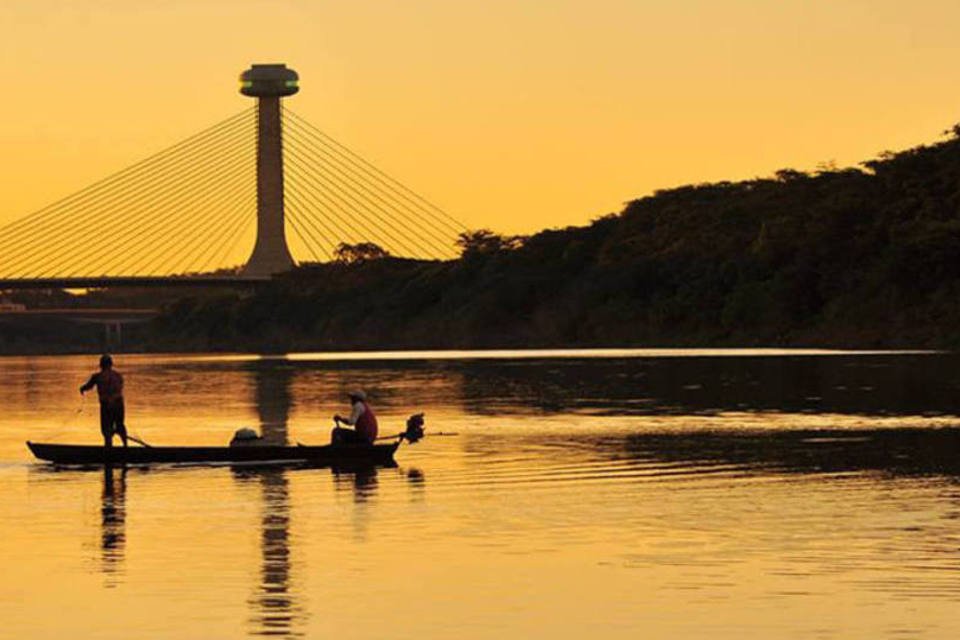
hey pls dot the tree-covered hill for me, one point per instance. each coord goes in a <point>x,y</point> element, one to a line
<point>864,257</point>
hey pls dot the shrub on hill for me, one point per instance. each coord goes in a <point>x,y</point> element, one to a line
<point>839,257</point>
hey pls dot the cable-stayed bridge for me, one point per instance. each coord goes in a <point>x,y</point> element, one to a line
<point>234,204</point>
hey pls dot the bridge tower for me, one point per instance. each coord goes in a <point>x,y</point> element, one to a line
<point>268,83</point>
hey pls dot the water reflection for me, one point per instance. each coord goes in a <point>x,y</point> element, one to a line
<point>416,477</point>
<point>360,481</point>
<point>113,522</point>
<point>275,609</point>
<point>900,451</point>
<point>276,612</point>
<point>417,482</point>
<point>867,385</point>
<point>273,399</point>
<point>624,515</point>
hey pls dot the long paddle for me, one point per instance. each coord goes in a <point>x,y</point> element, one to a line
<point>138,441</point>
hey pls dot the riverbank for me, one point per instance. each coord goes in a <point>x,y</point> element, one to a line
<point>855,258</point>
<point>841,258</point>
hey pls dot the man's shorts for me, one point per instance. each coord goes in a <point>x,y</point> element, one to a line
<point>111,419</point>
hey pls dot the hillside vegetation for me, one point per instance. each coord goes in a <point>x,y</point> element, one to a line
<point>858,257</point>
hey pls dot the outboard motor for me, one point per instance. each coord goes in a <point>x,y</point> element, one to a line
<point>245,437</point>
<point>414,428</point>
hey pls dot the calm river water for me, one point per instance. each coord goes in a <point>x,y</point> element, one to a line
<point>654,494</point>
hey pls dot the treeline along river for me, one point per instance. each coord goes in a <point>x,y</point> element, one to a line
<point>857,257</point>
<point>663,494</point>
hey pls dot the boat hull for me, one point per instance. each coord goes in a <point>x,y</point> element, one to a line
<point>328,455</point>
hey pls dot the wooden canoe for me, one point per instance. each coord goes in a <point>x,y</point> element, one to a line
<point>326,455</point>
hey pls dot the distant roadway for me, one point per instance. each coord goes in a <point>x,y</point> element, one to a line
<point>81,313</point>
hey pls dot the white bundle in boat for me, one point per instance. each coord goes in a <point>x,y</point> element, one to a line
<point>245,436</point>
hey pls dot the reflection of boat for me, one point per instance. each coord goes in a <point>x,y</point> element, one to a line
<point>327,455</point>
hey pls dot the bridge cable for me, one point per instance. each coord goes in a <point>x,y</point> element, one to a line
<point>91,190</point>
<point>351,193</point>
<point>295,211</point>
<point>186,219</point>
<point>188,254</point>
<point>314,203</point>
<point>152,185</point>
<point>316,189</point>
<point>137,231</point>
<point>198,177</point>
<point>234,173</point>
<point>307,207</point>
<point>9,231</point>
<point>230,242</point>
<point>304,204</point>
<point>89,224</point>
<point>244,210</point>
<point>375,171</point>
<point>175,190</point>
<point>232,212</point>
<point>295,225</point>
<point>362,184</point>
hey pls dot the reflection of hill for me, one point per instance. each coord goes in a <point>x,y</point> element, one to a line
<point>871,385</point>
<point>896,451</point>
<point>849,257</point>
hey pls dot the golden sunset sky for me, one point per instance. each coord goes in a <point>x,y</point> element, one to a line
<point>514,115</point>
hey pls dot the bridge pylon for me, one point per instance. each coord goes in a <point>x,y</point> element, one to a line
<point>268,83</point>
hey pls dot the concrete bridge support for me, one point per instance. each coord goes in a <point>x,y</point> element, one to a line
<point>269,83</point>
<point>112,336</point>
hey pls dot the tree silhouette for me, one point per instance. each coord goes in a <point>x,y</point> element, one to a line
<point>360,252</point>
<point>484,241</point>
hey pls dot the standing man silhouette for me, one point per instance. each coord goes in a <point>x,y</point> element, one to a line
<point>109,385</point>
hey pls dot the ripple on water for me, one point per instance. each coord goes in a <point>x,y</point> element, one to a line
<point>673,497</point>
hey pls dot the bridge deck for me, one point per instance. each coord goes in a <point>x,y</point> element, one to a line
<point>132,281</point>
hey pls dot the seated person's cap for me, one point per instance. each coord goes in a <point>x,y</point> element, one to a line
<point>358,394</point>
